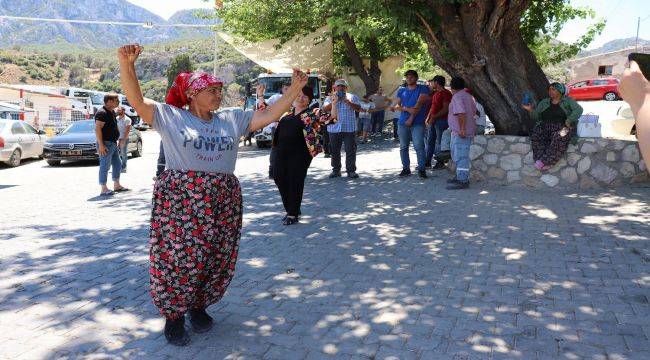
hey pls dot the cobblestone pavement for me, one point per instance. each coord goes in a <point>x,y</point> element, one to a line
<point>380,268</point>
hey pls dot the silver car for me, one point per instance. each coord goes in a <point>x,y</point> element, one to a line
<point>19,140</point>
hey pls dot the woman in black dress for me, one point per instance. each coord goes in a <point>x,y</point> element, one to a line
<point>297,141</point>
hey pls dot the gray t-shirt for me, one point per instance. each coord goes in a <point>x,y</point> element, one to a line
<point>193,144</point>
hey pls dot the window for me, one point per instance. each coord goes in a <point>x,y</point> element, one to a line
<point>605,69</point>
<point>29,129</point>
<point>601,82</point>
<point>580,84</point>
<point>17,129</point>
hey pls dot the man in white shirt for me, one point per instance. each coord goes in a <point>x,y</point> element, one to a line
<point>124,126</point>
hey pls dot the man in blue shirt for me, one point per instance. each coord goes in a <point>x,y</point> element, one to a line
<point>411,100</point>
<point>344,130</point>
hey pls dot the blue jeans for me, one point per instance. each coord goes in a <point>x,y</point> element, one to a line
<point>460,155</point>
<point>434,138</point>
<point>124,153</point>
<point>378,121</point>
<point>406,134</point>
<point>112,158</point>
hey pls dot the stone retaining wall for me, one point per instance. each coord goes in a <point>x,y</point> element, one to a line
<point>592,163</point>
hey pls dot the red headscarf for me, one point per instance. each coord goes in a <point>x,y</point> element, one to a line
<point>187,85</point>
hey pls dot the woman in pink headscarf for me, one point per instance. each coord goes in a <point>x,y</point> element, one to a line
<point>197,204</point>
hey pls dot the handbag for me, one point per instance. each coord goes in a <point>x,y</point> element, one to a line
<point>588,126</point>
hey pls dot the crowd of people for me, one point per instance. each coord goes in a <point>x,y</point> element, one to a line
<point>197,200</point>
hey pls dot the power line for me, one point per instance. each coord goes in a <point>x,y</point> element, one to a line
<point>121,23</point>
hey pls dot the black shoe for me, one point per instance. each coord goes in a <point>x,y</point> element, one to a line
<point>175,332</point>
<point>422,174</point>
<point>353,175</point>
<point>405,173</point>
<point>200,320</point>
<point>459,185</point>
<point>335,174</point>
<point>290,220</point>
<point>453,181</point>
<point>439,166</point>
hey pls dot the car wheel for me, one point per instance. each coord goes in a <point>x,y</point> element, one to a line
<point>610,96</point>
<point>14,159</point>
<point>138,150</point>
<point>54,162</point>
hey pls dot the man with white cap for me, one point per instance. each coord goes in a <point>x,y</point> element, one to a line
<point>343,131</point>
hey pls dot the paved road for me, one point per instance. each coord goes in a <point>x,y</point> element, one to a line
<point>380,268</point>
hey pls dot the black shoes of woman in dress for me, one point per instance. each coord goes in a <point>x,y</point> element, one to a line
<point>200,320</point>
<point>290,220</point>
<point>175,332</point>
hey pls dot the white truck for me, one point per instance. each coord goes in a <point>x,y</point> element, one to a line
<point>97,101</point>
<point>273,84</point>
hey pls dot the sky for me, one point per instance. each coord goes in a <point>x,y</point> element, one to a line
<point>621,16</point>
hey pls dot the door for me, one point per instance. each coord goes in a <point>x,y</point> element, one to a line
<point>38,140</point>
<point>599,88</point>
<point>578,90</point>
<point>23,140</point>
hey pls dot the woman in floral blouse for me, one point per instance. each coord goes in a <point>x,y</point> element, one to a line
<point>297,141</point>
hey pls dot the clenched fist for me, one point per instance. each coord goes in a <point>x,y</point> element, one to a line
<point>129,53</point>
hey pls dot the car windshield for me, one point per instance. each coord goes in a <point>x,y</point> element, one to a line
<point>274,85</point>
<point>97,99</point>
<point>80,127</point>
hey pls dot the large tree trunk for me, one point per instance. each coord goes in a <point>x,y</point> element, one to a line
<point>481,42</point>
<point>371,77</point>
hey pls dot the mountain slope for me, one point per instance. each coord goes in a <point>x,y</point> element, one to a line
<point>88,35</point>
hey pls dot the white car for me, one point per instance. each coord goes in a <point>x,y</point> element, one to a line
<point>19,140</point>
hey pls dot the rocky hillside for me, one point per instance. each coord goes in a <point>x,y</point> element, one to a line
<point>89,35</point>
<point>614,45</point>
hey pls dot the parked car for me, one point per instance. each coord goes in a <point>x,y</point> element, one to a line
<point>78,142</point>
<point>595,89</point>
<point>19,140</point>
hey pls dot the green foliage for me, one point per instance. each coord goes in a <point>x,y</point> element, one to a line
<point>422,62</point>
<point>155,90</point>
<point>544,20</point>
<point>180,63</point>
<point>77,74</point>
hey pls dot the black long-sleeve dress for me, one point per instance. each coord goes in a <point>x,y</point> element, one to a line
<point>291,162</point>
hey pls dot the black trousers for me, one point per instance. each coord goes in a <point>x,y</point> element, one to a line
<point>350,141</point>
<point>326,140</point>
<point>289,173</point>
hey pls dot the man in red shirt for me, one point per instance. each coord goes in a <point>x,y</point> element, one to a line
<point>437,120</point>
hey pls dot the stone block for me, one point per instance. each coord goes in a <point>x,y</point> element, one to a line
<point>627,170</point>
<point>480,165</point>
<point>550,180</point>
<point>642,165</point>
<point>611,156</point>
<point>491,159</point>
<point>639,178</point>
<point>528,159</point>
<point>572,159</point>
<point>588,148</point>
<point>496,145</point>
<point>481,140</point>
<point>572,148</point>
<point>569,175</point>
<point>586,182</point>
<point>604,173</point>
<point>617,145</point>
<point>533,182</point>
<point>511,162</point>
<point>520,148</point>
<point>631,153</point>
<point>558,166</point>
<point>475,151</point>
<point>514,176</point>
<point>529,170</point>
<point>512,139</point>
<point>496,173</point>
<point>584,165</point>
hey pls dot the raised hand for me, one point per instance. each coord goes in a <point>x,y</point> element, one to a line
<point>129,53</point>
<point>299,78</point>
<point>261,89</point>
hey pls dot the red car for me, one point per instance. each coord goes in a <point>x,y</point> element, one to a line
<point>595,89</point>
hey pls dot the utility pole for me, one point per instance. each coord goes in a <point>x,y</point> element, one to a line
<point>636,43</point>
